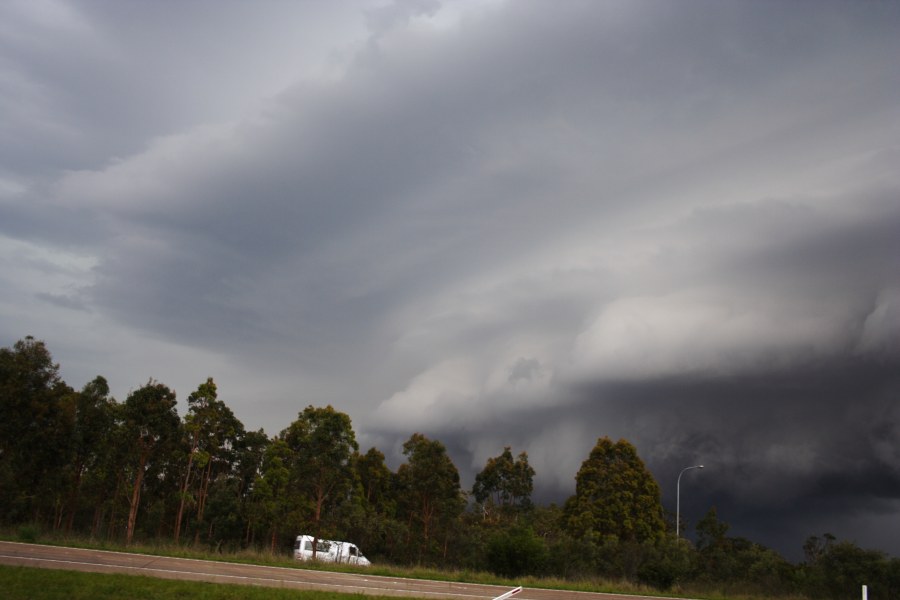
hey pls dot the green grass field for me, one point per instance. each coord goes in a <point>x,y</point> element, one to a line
<point>24,583</point>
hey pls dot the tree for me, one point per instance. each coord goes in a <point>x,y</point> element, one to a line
<point>322,443</point>
<point>836,569</point>
<point>249,453</point>
<point>376,505</point>
<point>374,476</point>
<point>196,425</point>
<point>105,482</point>
<point>272,489</point>
<point>615,495</point>
<point>429,492</point>
<point>505,483</point>
<point>516,552</point>
<point>663,562</point>
<point>717,553</point>
<point>37,413</point>
<point>211,433</point>
<point>151,426</point>
<point>95,422</point>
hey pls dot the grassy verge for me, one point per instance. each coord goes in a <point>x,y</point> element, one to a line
<point>24,583</point>
<point>256,557</point>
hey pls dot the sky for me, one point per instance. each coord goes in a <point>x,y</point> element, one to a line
<point>528,224</point>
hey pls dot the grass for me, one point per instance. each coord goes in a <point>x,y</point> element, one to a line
<point>263,558</point>
<point>257,557</point>
<point>25,583</point>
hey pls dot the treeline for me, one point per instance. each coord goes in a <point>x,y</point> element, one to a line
<point>80,462</point>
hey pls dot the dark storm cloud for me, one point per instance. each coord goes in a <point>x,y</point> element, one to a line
<point>509,223</point>
<point>792,454</point>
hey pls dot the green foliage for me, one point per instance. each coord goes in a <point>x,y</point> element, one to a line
<point>737,561</point>
<point>839,569</point>
<point>272,494</point>
<point>615,495</point>
<point>36,425</point>
<point>322,444</point>
<point>28,533</point>
<point>504,486</point>
<point>665,563</point>
<point>516,552</point>
<point>373,524</point>
<point>151,426</point>
<point>429,497</point>
<point>94,435</point>
<point>211,438</point>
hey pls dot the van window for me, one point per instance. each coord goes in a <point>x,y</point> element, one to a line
<point>308,546</point>
<point>353,551</point>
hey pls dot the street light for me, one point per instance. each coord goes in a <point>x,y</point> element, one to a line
<point>678,500</point>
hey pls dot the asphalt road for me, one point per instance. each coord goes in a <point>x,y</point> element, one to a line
<point>98,561</point>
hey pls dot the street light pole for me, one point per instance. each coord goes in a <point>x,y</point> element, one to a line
<point>678,500</point>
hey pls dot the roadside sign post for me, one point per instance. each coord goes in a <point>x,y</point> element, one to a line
<point>509,594</point>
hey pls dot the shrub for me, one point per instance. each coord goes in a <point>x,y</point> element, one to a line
<point>28,533</point>
<point>517,552</point>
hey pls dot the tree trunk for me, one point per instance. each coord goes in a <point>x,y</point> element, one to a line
<point>135,500</point>
<point>184,488</point>
<point>204,490</point>
<point>74,495</point>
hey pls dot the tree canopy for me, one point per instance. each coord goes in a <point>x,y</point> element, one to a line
<point>504,484</point>
<point>615,495</point>
<point>322,443</point>
<point>430,494</point>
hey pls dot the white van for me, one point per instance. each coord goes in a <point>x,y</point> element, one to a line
<point>328,551</point>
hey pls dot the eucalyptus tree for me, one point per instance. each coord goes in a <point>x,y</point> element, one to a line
<point>211,432</point>
<point>150,428</point>
<point>92,441</point>
<point>36,422</point>
<point>616,496</point>
<point>249,453</point>
<point>272,495</point>
<point>322,444</point>
<point>197,423</point>
<point>376,503</point>
<point>504,483</point>
<point>226,481</point>
<point>429,494</point>
<point>374,476</point>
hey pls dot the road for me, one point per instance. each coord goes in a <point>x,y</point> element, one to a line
<point>99,561</point>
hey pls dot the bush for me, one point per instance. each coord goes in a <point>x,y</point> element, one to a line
<point>515,553</point>
<point>28,533</point>
<point>665,563</point>
<point>659,575</point>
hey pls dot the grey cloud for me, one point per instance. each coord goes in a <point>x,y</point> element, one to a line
<point>524,368</point>
<point>63,301</point>
<point>787,456</point>
<point>382,19</point>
